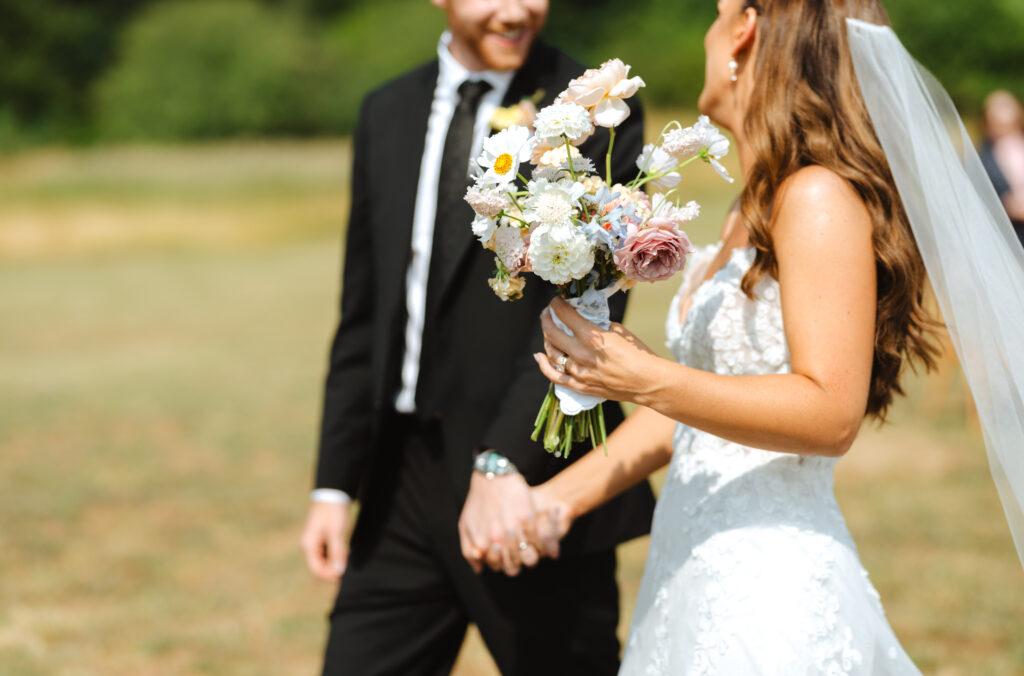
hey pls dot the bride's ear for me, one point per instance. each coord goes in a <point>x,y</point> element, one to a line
<point>745,34</point>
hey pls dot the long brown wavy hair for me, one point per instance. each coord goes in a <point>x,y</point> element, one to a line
<point>806,109</point>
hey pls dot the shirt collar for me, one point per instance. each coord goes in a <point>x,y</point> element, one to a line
<point>452,73</point>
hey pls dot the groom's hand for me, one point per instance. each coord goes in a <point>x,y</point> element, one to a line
<point>496,524</point>
<point>324,539</point>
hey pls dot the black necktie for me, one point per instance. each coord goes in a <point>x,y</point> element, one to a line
<point>451,229</point>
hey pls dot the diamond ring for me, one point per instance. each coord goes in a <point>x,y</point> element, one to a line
<point>562,361</point>
<point>523,546</point>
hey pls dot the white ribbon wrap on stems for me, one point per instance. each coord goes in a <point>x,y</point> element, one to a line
<point>592,306</point>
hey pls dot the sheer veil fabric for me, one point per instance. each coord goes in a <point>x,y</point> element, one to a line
<point>974,260</point>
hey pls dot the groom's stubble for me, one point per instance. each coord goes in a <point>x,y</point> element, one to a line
<point>493,34</point>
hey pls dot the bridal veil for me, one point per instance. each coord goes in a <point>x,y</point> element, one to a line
<point>974,260</point>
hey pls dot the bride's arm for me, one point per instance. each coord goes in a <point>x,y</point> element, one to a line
<point>822,234</point>
<point>641,445</point>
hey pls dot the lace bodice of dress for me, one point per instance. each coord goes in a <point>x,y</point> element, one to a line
<point>726,332</point>
<point>751,569</point>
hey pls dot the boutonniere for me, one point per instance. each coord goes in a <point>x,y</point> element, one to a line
<point>521,114</point>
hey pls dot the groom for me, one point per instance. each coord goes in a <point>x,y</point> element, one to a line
<point>431,373</point>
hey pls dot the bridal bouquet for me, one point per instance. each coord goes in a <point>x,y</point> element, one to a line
<point>572,228</point>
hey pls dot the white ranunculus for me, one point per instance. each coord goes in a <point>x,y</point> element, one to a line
<point>552,202</point>
<point>560,254</point>
<point>502,154</point>
<point>653,160</point>
<point>563,118</point>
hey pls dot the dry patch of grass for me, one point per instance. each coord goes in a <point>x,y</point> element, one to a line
<point>159,377</point>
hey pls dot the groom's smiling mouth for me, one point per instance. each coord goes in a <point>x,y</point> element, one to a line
<point>511,38</point>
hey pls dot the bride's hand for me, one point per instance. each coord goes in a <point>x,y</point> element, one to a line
<point>553,517</point>
<point>612,364</point>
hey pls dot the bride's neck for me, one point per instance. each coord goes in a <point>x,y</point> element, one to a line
<point>746,154</point>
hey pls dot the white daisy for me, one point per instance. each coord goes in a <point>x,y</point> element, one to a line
<point>502,154</point>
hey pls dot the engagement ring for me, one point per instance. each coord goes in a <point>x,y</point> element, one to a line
<point>523,546</point>
<point>562,361</point>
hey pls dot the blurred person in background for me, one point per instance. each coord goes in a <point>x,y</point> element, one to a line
<point>414,389</point>
<point>1002,153</point>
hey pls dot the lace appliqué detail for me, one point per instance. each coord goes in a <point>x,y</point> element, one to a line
<point>751,569</point>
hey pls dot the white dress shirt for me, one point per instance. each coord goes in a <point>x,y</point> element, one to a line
<point>451,74</point>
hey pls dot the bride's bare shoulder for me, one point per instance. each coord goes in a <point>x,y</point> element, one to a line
<point>817,202</point>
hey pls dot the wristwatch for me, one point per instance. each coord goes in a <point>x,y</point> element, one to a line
<point>492,464</point>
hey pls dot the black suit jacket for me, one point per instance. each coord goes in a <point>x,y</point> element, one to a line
<point>481,348</point>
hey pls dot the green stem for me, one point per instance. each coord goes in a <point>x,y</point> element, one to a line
<point>516,218</point>
<point>639,183</point>
<point>552,438</point>
<point>608,157</point>
<point>643,169</point>
<point>568,156</point>
<point>543,413</point>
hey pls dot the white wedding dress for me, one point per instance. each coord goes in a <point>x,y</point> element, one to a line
<point>751,567</point>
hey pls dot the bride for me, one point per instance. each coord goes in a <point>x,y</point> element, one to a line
<point>787,333</point>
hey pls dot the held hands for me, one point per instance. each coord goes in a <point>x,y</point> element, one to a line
<point>324,539</point>
<point>505,524</point>
<point>612,364</point>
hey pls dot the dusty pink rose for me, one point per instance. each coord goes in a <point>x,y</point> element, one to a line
<point>655,253</point>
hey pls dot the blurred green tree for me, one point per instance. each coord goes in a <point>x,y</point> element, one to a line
<point>376,41</point>
<point>50,50</point>
<point>215,68</point>
<point>205,68</point>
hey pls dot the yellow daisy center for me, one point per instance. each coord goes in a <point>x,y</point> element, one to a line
<point>503,163</point>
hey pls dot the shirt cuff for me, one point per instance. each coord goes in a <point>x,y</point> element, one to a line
<point>331,495</point>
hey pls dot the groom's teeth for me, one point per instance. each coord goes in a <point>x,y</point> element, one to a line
<point>511,36</point>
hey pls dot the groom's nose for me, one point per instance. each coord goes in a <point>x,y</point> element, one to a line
<point>515,13</point>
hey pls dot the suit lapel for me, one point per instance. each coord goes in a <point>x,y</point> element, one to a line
<point>406,138</point>
<point>454,243</point>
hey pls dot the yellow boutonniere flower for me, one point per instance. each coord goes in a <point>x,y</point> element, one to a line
<point>521,114</point>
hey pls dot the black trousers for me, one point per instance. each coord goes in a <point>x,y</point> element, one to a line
<point>408,595</point>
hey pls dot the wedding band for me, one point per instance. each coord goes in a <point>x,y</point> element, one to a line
<point>562,361</point>
<point>523,546</point>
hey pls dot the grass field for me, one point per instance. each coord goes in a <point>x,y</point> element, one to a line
<point>165,317</point>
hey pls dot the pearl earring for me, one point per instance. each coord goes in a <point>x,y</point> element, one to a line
<point>733,66</point>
